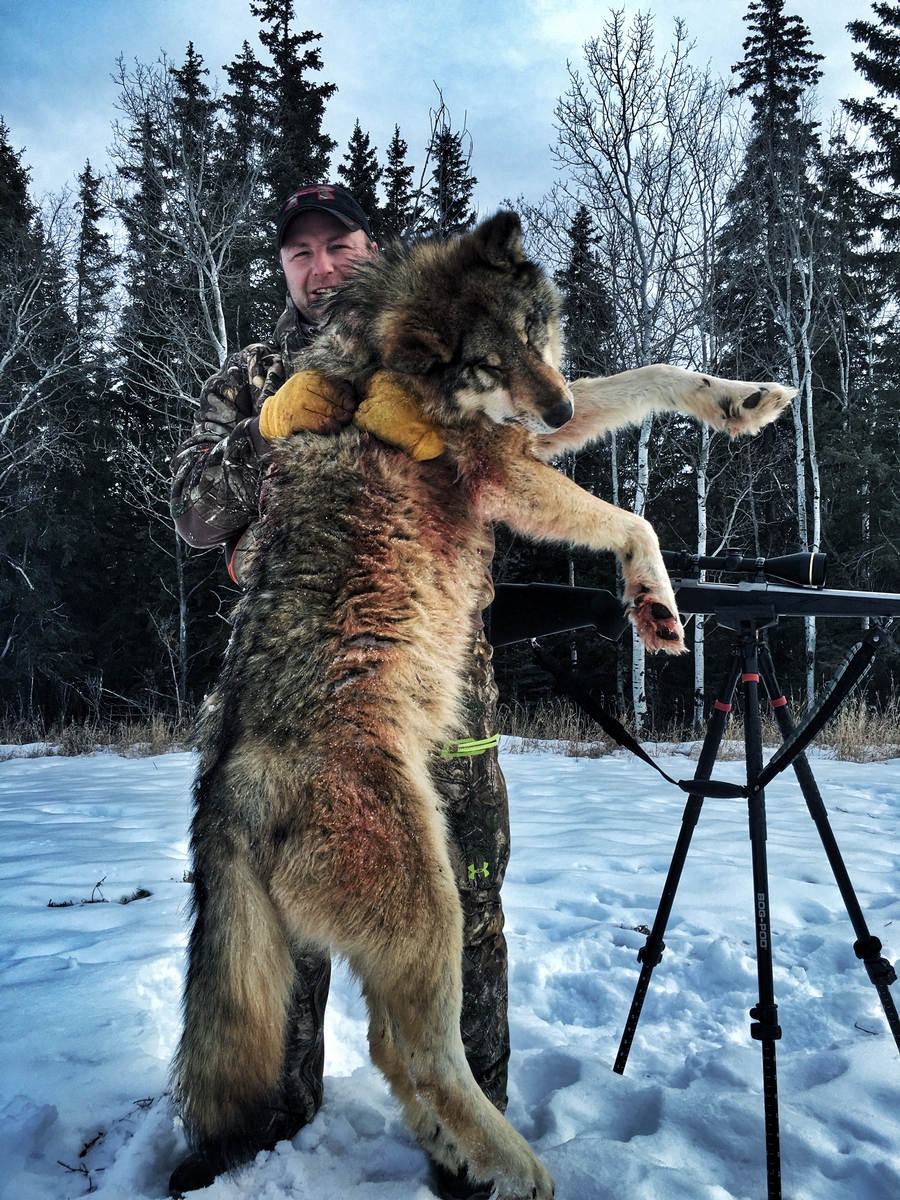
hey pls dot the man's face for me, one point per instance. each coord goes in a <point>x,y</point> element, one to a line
<point>317,255</point>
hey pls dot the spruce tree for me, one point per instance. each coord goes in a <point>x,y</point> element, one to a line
<point>257,295</point>
<point>361,174</point>
<point>16,208</point>
<point>193,108</point>
<point>777,70</point>
<point>397,217</point>
<point>879,64</point>
<point>772,285</point>
<point>866,449</point>
<point>448,199</point>
<point>294,102</point>
<point>99,543</point>
<point>274,111</point>
<point>243,106</point>
<point>95,264</point>
<point>587,309</point>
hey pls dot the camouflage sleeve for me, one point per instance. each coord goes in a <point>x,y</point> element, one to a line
<point>218,470</point>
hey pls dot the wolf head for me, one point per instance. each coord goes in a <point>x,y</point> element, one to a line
<point>471,322</point>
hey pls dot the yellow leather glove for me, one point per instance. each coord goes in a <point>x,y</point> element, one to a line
<point>393,414</point>
<point>308,400</point>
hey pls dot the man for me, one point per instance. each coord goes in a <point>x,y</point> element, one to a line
<point>261,393</point>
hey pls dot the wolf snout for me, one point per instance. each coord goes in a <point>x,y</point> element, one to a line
<point>557,416</point>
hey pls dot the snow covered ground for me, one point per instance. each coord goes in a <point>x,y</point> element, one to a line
<point>90,1014</point>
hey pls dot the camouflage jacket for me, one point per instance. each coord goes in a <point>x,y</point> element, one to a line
<point>218,470</point>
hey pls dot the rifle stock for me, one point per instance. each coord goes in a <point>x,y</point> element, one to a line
<point>522,611</point>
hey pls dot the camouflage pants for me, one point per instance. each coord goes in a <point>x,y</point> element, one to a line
<point>474,794</point>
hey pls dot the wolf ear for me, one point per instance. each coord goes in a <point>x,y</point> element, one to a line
<point>412,349</point>
<point>500,240</point>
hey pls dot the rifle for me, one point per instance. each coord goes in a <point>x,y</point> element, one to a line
<point>521,612</point>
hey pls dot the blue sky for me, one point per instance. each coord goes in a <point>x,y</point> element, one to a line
<point>502,63</point>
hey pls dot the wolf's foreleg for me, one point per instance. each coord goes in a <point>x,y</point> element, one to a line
<point>541,503</point>
<point>611,402</point>
<point>227,1069</point>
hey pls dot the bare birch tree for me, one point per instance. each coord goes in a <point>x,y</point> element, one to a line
<point>38,350</point>
<point>640,138</point>
<point>190,214</point>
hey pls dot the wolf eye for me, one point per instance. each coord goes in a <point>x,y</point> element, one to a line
<point>487,374</point>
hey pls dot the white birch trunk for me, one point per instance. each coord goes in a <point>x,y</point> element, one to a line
<point>620,658</point>
<point>638,654</point>
<point>699,618</point>
<point>816,505</point>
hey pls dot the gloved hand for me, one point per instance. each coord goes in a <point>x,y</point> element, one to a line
<point>392,412</point>
<point>308,400</point>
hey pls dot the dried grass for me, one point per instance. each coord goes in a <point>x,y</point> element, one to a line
<point>557,722</point>
<point>859,733</point>
<point>130,738</point>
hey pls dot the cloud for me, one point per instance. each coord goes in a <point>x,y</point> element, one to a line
<point>500,63</point>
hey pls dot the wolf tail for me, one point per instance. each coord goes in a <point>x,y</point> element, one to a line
<point>228,1066</point>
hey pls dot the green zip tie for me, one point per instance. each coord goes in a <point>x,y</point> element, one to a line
<point>469,747</point>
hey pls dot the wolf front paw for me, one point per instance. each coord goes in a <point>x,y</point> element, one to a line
<point>746,408</point>
<point>657,623</point>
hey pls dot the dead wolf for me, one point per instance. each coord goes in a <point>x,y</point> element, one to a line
<point>317,823</point>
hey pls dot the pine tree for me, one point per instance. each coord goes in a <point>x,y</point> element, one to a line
<point>16,208</point>
<point>880,65</point>
<point>771,305</point>
<point>361,175</point>
<point>95,264</point>
<point>587,310</point>
<point>448,200</point>
<point>778,69</point>
<point>295,104</point>
<point>398,213</point>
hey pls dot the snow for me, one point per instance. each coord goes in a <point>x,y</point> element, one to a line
<point>90,992</point>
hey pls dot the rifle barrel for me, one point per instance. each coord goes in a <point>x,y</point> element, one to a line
<point>694,596</point>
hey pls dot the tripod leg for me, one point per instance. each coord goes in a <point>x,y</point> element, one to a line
<point>866,947</point>
<point>765,1028</point>
<point>652,951</point>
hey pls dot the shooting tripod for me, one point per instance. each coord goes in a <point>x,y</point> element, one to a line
<point>747,610</point>
<point>751,663</point>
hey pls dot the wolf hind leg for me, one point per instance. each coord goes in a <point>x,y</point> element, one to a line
<point>414,1037</point>
<point>229,1064</point>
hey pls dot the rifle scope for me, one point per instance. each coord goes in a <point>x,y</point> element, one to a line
<point>804,569</point>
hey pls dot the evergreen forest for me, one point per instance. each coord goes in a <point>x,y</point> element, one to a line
<point>726,226</point>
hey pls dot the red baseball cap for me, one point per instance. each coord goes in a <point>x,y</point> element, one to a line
<point>328,197</point>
